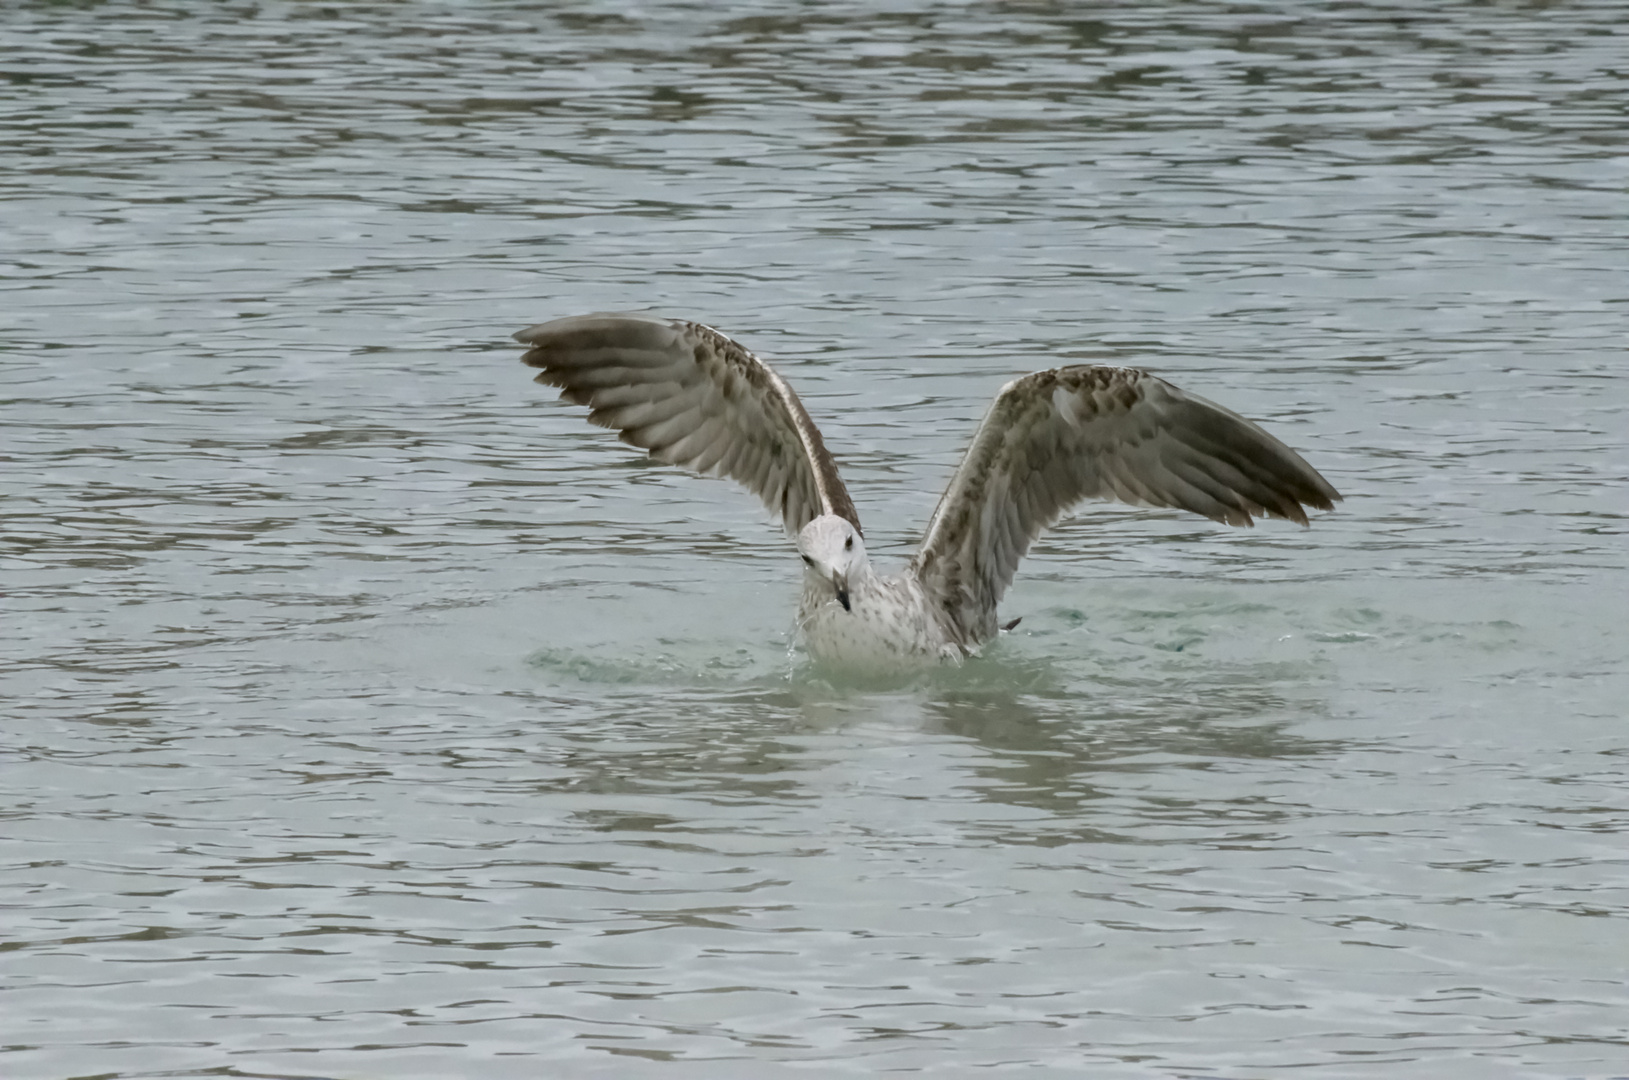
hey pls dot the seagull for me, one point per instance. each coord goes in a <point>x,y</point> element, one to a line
<point>693,397</point>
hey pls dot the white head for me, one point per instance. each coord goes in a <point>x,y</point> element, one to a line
<point>834,552</point>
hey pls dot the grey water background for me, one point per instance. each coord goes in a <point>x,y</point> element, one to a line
<point>366,713</point>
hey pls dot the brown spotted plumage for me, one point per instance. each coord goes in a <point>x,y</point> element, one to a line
<point>693,397</point>
<point>1055,438</point>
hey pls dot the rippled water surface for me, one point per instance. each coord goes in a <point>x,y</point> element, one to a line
<point>368,714</point>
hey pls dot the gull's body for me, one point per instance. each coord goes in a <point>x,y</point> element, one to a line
<point>693,397</point>
<point>888,623</point>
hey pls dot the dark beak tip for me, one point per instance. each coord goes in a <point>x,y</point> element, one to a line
<point>842,598</point>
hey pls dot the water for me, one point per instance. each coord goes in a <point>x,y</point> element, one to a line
<point>369,714</point>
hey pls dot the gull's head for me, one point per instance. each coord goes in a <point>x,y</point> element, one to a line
<point>834,552</point>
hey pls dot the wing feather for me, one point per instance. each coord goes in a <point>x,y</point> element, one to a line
<point>1055,438</point>
<point>692,397</point>
<point>630,407</point>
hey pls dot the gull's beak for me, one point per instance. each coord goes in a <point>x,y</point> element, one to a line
<point>840,583</point>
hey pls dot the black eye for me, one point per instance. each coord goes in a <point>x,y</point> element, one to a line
<point>848,545</point>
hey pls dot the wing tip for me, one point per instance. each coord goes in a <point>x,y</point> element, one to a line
<point>1296,506</point>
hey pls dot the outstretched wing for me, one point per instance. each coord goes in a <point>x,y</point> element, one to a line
<point>693,397</point>
<point>1056,437</point>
